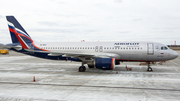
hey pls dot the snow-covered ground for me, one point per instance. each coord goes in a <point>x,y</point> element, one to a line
<point>60,80</point>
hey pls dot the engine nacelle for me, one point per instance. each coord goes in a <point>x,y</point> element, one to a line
<point>105,63</point>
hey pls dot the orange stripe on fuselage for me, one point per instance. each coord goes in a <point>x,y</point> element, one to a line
<point>39,48</point>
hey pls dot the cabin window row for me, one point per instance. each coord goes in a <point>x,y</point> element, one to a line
<point>105,48</point>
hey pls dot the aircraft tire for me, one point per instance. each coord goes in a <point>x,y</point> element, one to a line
<point>82,69</point>
<point>149,69</point>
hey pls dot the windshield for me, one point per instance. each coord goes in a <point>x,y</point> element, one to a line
<point>164,48</point>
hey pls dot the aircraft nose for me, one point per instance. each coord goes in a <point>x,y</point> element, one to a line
<point>174,55</point>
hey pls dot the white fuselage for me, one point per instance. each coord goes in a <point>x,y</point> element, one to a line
<point>123,51</point>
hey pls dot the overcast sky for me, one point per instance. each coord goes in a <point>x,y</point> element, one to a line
<point>93,20</point>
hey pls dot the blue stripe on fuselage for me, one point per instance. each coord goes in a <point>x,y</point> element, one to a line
<point>45,55</point>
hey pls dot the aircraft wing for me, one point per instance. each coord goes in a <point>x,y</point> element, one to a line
<point>78,55</point>
<point>84,56</point>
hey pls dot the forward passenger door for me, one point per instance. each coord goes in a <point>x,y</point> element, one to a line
<point>150,48</point>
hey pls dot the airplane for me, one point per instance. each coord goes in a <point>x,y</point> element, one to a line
<point>100,55</point>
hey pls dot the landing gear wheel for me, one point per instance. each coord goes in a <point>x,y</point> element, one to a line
<point>149,69</point>
<point>82,69</point>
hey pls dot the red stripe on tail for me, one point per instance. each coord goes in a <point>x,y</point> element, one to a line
<point>19,38</point>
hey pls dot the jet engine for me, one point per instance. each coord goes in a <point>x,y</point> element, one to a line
<point>103,63</point>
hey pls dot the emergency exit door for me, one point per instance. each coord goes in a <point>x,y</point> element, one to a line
<point>100,48</point>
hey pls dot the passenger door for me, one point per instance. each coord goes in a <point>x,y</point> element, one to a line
<point>150,48</point>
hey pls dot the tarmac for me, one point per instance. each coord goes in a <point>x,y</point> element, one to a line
<point>27,78</point>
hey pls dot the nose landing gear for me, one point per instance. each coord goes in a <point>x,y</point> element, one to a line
<point>149,68</point>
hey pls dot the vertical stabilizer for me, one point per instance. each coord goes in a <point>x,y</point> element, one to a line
<point>17,32</point>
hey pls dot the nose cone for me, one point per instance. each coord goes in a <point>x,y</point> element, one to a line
<point>174,55</point>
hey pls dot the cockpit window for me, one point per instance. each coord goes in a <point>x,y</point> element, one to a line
<point>164,48</point>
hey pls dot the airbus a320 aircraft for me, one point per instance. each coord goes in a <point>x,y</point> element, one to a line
<point>101,55</point>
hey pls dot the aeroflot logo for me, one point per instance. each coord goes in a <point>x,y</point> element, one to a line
<point>126,43</point>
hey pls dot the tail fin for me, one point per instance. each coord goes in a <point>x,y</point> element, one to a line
<point>17,32</point>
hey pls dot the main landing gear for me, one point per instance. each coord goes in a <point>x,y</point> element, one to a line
<point>82,68</point>
<point>149,68</point>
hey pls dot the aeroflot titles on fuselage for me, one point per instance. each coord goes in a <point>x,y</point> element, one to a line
<point>126,43</point>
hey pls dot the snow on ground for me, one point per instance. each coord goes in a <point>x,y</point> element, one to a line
<point>60,80</point>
